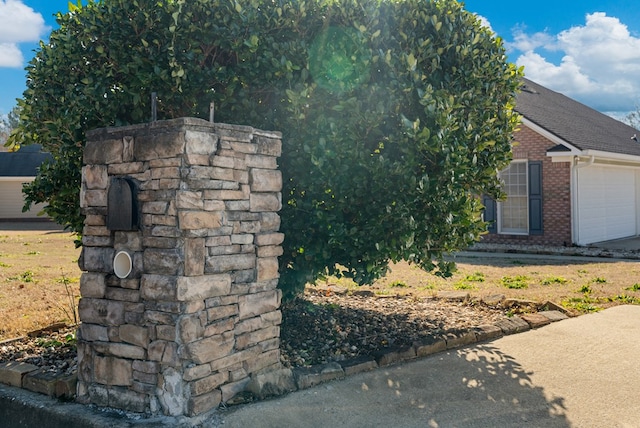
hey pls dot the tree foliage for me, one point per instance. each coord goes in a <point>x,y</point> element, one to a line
<point>633,118</point>
<point>8,123</point>
<point>394,113</point>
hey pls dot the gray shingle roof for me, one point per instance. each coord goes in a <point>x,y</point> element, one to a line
<point>23,163</point>
<point>573,122</point>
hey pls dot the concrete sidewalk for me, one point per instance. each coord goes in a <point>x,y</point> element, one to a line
<point>581,372</point>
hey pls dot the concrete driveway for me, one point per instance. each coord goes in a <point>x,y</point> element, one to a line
<point>581,372</point>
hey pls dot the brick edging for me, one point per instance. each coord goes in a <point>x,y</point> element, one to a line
<point>288,380</point>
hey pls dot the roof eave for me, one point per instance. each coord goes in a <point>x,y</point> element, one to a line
<point>599,154</point>
<point>551,137</point>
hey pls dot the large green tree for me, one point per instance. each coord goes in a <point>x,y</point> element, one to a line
<point>395,113</point>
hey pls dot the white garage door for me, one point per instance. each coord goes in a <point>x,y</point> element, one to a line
<point>606,204</point>
<point>12,200</point>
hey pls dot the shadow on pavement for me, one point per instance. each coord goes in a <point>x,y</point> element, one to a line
<point>471,387</point>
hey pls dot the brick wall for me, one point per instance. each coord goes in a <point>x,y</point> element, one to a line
<point>556,194</point>
<point>199,312</point>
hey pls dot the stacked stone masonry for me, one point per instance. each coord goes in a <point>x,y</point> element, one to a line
<point>198,314</point>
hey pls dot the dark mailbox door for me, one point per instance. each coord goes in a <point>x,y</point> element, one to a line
<point>122,210</point>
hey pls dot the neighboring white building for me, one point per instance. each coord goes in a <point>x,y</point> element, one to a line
<point>16,169</point>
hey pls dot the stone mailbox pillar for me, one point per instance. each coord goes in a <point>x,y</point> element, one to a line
<point>192,309</point>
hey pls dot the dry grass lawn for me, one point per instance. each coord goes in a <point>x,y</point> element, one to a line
<point>576,283</point>
<point>39,280</point>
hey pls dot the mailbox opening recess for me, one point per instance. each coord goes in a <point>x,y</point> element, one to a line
<point>122,204</point>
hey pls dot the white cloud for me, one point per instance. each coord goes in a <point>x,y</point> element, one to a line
<point>524,42</point>
<point>599,62</point>
<point>18,23</point>
<point>484,22</point>
<point>10,55</point>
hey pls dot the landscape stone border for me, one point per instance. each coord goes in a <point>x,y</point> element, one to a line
<point>288,380</point>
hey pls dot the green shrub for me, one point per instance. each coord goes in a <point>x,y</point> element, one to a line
<point>395,114</point>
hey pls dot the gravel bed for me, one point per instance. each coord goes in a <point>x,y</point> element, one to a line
<point>51,349</point>
<point>328,325</point>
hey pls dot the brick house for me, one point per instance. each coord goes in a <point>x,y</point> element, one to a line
<point>17,169</point>
<point>574,178</point>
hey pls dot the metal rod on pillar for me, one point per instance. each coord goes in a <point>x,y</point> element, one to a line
<point>154,106</point>
<point>212,109</point>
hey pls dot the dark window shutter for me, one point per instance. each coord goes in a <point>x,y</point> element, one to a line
<point>490,213</point>
<point>535,198</point>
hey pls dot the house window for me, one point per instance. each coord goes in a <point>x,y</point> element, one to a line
<point>513,212</point>
<point>521,212</point>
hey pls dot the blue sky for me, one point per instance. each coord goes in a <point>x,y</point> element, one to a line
<point>588,50</point>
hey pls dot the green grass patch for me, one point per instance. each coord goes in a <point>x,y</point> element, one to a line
<point>585,289</point>
<point>463,285</point>
<point>26,276</point>
<point>626,299</point>
<point>599,280</point>
<point>581,304</point>
<point>554,280</point>
<point>634,287</point>
<point>475,277</point>
<point>67,280</point>
<point>515,282</point>
<point>398,284</point>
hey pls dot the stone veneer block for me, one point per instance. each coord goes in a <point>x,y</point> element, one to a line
<point>425,348</point>
<point>95,176</point>
<point>203,287</point>
<point>553,316</point>
<point>358,365</point>
<point>265,202</point>
<point>276,383</point>
<point>101,311</point>
<point>211,348</point>
<point>487,332</point>
<point>199,219</point>
<point>512,325</point>
<point>464,338</point>
<point>12,373</point>
<point>102,152</point>
<point>265,180</point>
<point>113,371</point>
<point>306,377</point>
<point>535,320</point>
<point>251,305</point>
<point>40,381</point>
<point>92,285</point>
